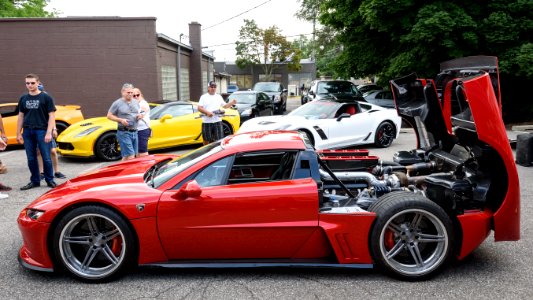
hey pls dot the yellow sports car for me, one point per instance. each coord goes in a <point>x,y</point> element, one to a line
<point>66,115</point>
<point>173,124</point>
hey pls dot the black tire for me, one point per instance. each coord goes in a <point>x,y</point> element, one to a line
<point>61,127</point>
<point>94,244</point>
<point>412,237</point>
<point>107,147</point>
<point>226,129</point>
<point>385,134</point>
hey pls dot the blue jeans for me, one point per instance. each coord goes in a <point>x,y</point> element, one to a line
<point>33,139</point>
<point>128,142</point>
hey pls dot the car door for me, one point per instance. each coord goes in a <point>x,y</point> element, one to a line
<point>265,105</point>
<point>247,209</point>
<point>176,125</point>
<point>347,131</point>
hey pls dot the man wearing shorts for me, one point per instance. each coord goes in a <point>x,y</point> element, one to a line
<point>211,122</point>
<point>125,112</point>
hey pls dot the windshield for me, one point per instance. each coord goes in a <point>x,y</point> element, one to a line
<point>336,87</point>
<point>266,87</point>
<point>317,109</point>
<point>248,98</point>
<point>176,166</point>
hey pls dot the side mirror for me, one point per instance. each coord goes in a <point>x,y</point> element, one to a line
<point>311,93</point>
<point>190,189</point>
<point>285,90</point>
<point>165,117</point>
<point>342,116</point>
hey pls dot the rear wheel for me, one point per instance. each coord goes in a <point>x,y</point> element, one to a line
<point>385,134</point>
<point>412,237</point>
<point>94,244</point>
<point>107,147</point>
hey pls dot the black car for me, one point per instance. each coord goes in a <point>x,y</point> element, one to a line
<point>252,104</point>
<point>341,90</point>
<point>276,91</point>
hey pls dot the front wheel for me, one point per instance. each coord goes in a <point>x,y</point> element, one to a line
<point>93,244</point>
<point>385,134</point>
<point>107,147</point>
<point>412,237</point>
<point>226,129</point>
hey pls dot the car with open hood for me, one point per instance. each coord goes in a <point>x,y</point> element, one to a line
<point>269,199</point>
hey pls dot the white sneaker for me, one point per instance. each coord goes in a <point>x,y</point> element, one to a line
<point>3,196</point>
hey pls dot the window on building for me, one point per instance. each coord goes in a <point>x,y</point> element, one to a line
<point>185,93</point>
<point>271,77</point>
<point>169,83</point>
<point>244,82</point>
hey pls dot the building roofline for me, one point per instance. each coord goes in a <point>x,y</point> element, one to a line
<point>77,18</point>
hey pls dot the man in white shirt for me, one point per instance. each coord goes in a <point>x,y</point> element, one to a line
<point>211,104</point>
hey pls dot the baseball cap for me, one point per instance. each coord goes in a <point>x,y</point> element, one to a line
<point>212,83</point>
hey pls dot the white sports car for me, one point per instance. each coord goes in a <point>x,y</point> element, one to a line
<point>331,124</point>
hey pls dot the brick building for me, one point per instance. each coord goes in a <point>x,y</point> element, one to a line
<point>86,60</point>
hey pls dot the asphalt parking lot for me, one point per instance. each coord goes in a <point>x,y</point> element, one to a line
<point>495,270</point>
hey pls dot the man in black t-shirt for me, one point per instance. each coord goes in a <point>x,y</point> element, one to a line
<point>35,123</point>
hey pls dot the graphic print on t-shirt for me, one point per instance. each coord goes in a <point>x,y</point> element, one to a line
<point>32,104</point>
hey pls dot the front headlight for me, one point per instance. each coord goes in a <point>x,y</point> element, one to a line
<point>246,112</point>
<point>88,131</point>
<point>34,214</point>
<point>277,98</point>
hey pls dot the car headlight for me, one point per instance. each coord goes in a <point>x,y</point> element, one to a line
<point>34,214</point>
<point>277,98</point>
<point>246,112</point>
<point>88,131</point>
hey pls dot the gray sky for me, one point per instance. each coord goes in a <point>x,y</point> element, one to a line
<point>174,16</point>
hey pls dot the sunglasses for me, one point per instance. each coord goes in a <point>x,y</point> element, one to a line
<point>136,95</point>
<point>30,83</point>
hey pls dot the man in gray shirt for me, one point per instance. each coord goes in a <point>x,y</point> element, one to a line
<point>125,112</point>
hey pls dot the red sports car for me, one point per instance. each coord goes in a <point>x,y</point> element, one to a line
<point>269,199</point>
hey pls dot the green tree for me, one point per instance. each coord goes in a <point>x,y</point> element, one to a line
<point>265,47</point>
<point>24,9</point>
<point>391,38</point>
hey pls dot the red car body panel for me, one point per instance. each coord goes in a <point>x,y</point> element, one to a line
<point>348,235</point>
<point>35,249</point>
<point>507,218</point>
<point>240,221</point>
<point>475,226</point>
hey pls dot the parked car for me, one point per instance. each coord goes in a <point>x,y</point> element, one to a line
<point>173,124</point>
<point>380,98</point>
<point>268,199</point>
<point>232,88</point>
<point>66,115</point>
<point>276,91</point>
<point>330,124</point>
<point>341,90</point>
<point>251,104</point>
<point>367,87</point>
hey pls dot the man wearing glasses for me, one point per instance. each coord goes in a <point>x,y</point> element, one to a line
<point>37,118</point>
<point>210,105</point>
<point>125,112</point>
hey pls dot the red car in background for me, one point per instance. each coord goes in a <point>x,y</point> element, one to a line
<point>268,199</point>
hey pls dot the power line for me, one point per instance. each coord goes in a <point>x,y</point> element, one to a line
<point>237,15</point>
<point>225,44</point>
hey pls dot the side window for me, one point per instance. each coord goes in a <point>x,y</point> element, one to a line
<point>262,166</point>
<point>214,174</point>
<point>179,110</point>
